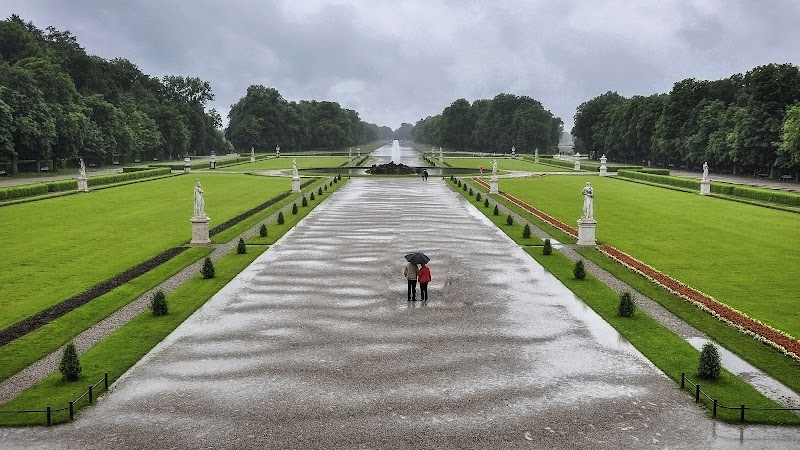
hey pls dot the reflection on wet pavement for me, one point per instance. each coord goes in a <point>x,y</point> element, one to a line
<point>315,345</point>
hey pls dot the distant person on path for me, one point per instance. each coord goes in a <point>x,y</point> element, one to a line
<point>424,277</point>
<point>588,201</point>
<point>410,272</point>
<point>424,175</point>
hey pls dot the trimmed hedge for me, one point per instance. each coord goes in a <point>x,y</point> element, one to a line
<point>687,183</point>
<point>595,167</point>
<point>655,171</point>
<point>30,190</point>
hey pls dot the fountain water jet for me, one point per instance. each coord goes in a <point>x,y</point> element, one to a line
<point>396,152</point>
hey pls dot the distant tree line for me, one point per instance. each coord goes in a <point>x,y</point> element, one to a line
<point>58,103</point>
<point>741,124</point>
<point>492,125</point>
<point>262,119</point>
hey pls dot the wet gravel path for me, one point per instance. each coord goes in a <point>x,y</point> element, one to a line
<point>315,346</point>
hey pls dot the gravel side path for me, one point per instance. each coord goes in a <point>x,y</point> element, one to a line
<point>13,386</point>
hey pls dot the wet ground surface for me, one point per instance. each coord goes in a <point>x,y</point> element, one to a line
<point>315,346</point>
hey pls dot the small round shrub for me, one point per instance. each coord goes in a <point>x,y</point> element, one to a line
<point>478,197</point>
<point>465,187</point>
<point>710,365</point>
<point>158,303</point>
<point>626,305</point>
<point>208,269</point>
<point>496,211</point>
<point>294,208</point>
<point>526,232</point>
<point>470,192</point>
<point>70,365</point>
<point>305,202</point>
<point>311,197</point>
<point>579,270</point>
<point>459,183</point>
<point>486,203</point>
<point>339,176</point>
<point>241,247</point>
<point>319,191</point>
<point>280,218</point>
<point>548,247</point>
<point>509,220</point>
<point>263,230</point>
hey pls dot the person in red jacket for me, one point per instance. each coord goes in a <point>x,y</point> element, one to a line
<point>424,277</point>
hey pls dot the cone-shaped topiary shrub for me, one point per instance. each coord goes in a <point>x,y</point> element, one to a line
<point>486,203</point>
<point>496,211</point>
<point>710,365</point>
<point>294,208</point>
<point>470,192</point>
<point>319,191</point>
<point>478,197</point>
<point>158,303</point>
<point>208,269</point>
<point>339,176</point>
<point>509,220</point>
<point>526,232</point>
<point>311,197</point>
<point>465,187</point>
<point>70,365</point>
<point>326,187</point>
<point>626,305</point>
<point>241,247</point>
<point>305,202</point>
<point>579,270</point>
<point>548,247</point>
<point>280,218</point>
<point>459,183</point>
<point>263,230</point>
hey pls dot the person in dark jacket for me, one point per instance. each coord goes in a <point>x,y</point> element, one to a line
<point>410,272</point>
<point>424,277</point>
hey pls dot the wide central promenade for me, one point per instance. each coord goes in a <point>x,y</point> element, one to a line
<point>315,346</point>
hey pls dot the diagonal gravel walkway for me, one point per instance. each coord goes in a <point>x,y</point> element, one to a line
<point>314,346</point>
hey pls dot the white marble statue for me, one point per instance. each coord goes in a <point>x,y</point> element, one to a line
<point>294,168</point>
<point>588,201</point>
<point>252,151</point>
<point>199,203</point>
<point>82,170</point>
<point>494,168</point>
<point>705,171</point>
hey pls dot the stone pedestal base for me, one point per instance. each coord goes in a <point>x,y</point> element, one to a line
<point>536,159</point>
<point>603,171</point>
<point>83,184</point>
<point>586,229</point>
<point>252,159</point>
<point>441,160</point>
<point>577,165</point>
<point>200,231</point>
<point>296,184</point>
<point>187,169</point>
<point>705,187</point>
<point>494,186</point>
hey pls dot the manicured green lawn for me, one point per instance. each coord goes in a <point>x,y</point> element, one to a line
<point>59,247</point>
<point>285,162</point>
<point>502,164</point>
<point>740,254</point>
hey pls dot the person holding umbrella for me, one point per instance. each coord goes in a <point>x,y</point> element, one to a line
<point>424,277</point>
<point>410,272</point>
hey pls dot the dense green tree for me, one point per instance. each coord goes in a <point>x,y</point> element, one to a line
<point>789,149</point>
<point>589,114</point>
<point>456,124</point>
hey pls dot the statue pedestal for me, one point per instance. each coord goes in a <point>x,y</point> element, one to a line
<point>83,184</point>
<point>536,159</point>
<point>494,185</point>
<point>705,187</point>
<point>603,171</point>
<point>441,160</point>
<point>577,165</point>
<point>252,158</point>
<point>295,184</point>
<point>200,231</point>
<point>586,229</point>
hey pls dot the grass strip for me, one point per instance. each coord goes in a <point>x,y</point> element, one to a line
<point>26,350</point>
<point>126,346</point>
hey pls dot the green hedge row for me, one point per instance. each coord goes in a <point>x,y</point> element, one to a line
<point>687,183</point>
<point>561,162</point>
<point>30,190</point>
<point>594,167</point>
<point>205,164</point>
<point>655,171</point>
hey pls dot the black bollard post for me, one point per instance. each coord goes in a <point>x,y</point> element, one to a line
<point>48,416</point>
<point>105,380</point>
<point>741,417</point>
<point>697,393</point>
<point>683,377</point>
<point>71,410</point>
<point>91,394</point>
<point>715,409</point>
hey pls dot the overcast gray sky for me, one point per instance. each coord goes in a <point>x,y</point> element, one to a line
<point>401,61</point>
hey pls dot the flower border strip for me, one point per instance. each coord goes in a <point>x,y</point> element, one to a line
<point>737,319</point>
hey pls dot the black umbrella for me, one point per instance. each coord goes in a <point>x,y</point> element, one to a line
<point>417,258</point>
